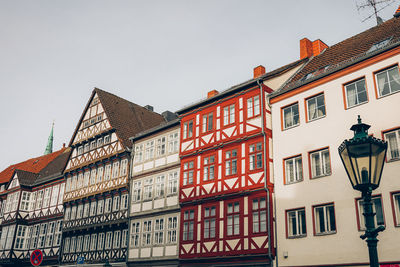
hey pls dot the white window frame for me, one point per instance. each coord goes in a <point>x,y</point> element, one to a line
<point>149,152</point>
<point>173,142</point>
<point>172,183</point>
<point>188,129</point>
<point>290,116</point>
<point>229,114</point>
<point>377,208</point>
<point>329,227</point>
<point>379,84</point>
<point>158,231</point>
<point>161,146</point>
<point>137,191</point>
<point>109,239</point>
<point>124,201</point>
<point>160,186</point>
<point>323,163</point>
<point>393,139</point>
<point>100,241</point>
<point>318,110</point>
<point>253,106</point>
<point>135,234</point>
<point>172,226</point>
<point>124,167</point>
<point>146,233</point>
<point>117,239</point>
<point>108,205</point>
<point>115,169</point>
<point>293,169</point>
<point>353,100</point>
<point>124,238</point>
<point>116,203</point>
<point>148,189</point>
<point>139,153</point>
<point>296,223</point>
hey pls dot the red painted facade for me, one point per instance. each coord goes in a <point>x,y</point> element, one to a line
<point>225,161</point>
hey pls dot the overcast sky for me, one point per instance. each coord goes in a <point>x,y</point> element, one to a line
<point>164,53</point>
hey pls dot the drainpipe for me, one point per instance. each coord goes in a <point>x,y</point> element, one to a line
<point>130,164</point>
<point>265,169</point>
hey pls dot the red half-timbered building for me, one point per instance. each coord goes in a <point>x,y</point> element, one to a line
<point>226,170</point>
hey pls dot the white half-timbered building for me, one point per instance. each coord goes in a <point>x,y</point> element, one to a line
<point>33,211</point>
<point>154,212</point>
<point>96,196</point>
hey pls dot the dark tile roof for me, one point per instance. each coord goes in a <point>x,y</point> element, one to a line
<point>156,129</point>
<point>125,117</point>
<point>34,165</point>
<point>26,178</point>
<point>345,53</point>
<point>241,86</point>
<point>55,168</point>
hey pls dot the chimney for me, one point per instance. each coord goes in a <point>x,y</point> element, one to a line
<point>212,93</point>
<point>258,71</point>
<point>169,116</point>
<point>309,49</point>
<point>148,107</point>
<point>63,145</point>
<point>397,13</point>
<point>318,46</point>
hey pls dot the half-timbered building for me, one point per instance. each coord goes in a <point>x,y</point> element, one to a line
<point>226,170</point>
<point>96,199</point>
<point>32,209</point>
<point>154,212</point>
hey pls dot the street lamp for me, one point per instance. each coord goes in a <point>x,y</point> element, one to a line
<point>363,157</point>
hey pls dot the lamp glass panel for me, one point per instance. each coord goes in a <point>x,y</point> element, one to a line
<point>377,162</point>
<point>360,156</point>
<point>347,163</point>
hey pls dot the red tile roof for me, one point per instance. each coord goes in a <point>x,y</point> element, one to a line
<point>34,165</point>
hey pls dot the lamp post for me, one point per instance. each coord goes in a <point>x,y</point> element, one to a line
<point>363,157</point>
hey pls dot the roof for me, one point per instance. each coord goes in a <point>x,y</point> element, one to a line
<point>346,53</point>
<point>33,165</point>
<point>55,168</point>
<point>26,178</point>
<point>156,129</point>
<point>247,84</point>
<point>125,117</point>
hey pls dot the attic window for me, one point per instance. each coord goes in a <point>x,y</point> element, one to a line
<point>308,76</point>
<point>379,45</point>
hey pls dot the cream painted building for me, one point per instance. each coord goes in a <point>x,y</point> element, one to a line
<point>318,216</point>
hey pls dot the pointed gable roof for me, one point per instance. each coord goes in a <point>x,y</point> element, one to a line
<point>55,168</point>
<point>34,165</point>
<point>26,178</point>
<point>125,117</point>
<point>346,53</point>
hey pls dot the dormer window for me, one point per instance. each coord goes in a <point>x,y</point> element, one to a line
<point>86,149</point>
<point>100,142</point>
<point>107,139</point>
<point>93,144</point>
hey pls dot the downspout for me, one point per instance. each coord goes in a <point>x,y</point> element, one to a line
<point>265,169</point>
<point>130,164</point>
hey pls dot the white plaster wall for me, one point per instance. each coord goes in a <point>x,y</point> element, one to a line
<point>345,246</point>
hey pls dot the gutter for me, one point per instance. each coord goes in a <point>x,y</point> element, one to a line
<point>265,170</point>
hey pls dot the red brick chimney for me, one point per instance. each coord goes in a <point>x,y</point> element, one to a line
<point>212,93</point>
<point>258,71</point>
<point>308,48</point>
<point>397,13</point>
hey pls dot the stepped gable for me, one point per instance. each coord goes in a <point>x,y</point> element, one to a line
<point>34,165</point>
<point>346,53</point>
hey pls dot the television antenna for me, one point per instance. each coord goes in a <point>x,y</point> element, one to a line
<point>375,5</point>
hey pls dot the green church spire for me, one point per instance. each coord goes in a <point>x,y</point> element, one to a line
<point>49,147</point>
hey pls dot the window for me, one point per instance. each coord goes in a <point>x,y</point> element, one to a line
<point>107,174</point>
<point>67,214</point>
<point>68,184</point>
<point>28,237</point>
<point>93,241</point>
<point>137,191</point>
<point>356,93</point>
<point>107,139</point>
<point>79,213</point>
<point>20,238</point>
<point>149,150</point>
<point>73,212</point>
<point>208,168</point>
<point>146,237</point>
<point>108,240</point>
<point>124,201</point>
<point>80,150</point>
<point>320,163</point>
<point>207,122</point>
<point>161,146</point>
<point>25,201</point>
<point>116,203</point>
<point>58,235</point>
<point>124,240</point>
<point>35,236</point>
<point>377,209</point>
<point>117,239</point>
<point>124,167</point>
<point>66,245</point>
<point>115,171</point>
<point>259,215</point>
<point>139,153</point>
<point>231,162</point>
<point>54,195</point>
<point>100,142</point>
<point>93,145</point>
<point>86,147</point>
<point>396,207</point>
<point>93,206</point>
<point>210,218</point>
<point>291,116</point>
<point>255,156</point>
<point>188,225</point>
<point>73,244</point>
<point>86,179</point>
<point>46,199</point>
<point>293,170</point>
<point>324,219</point>
<point>253,106</point>
<point>108,205</point>
<point>172,183</point>
<point>93,176</point>
<point>229,114</point>
<point>80,180</point>
<point>42,235</point>
<point>100,242</point>
<point>388,81</point>
<point>296,223</point>
<point>50,234</point>
<point>159,231</point>
<point>187,129</point>
<point>86,210</point>
<point>171,229</point>
<point>148,189</point>
<point>188,170</point>
<point>316,107</point>
<point>233,219</point>
<point>100,171</point>
<point>79,243</point>
<point>160,186</point>
<point>393,139</point>
<point>173,143</point>
<point>100,206</point>
<point>135,234</point>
